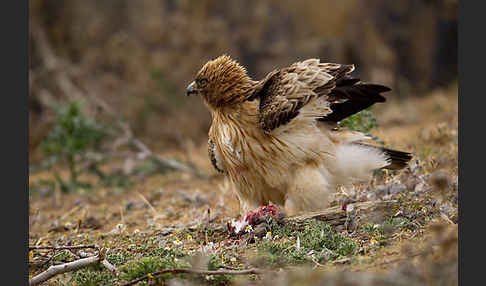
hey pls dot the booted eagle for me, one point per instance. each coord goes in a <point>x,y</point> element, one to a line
<point>276,139</point>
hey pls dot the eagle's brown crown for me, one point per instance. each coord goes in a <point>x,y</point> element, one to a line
<point>223,81</point>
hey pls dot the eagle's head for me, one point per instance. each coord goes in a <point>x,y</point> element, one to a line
<point>221,82</point>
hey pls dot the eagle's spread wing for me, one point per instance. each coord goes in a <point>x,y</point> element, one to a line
<point>284,92</point>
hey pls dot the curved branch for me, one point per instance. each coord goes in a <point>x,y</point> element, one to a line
<point>63,268</point>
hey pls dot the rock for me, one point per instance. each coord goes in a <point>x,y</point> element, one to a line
<point>371,196</point>
<point>91,222</point>
<point>381,190</point>
<point>397,188</point>
<point>200,200</point>
<point>411,182</point>
<point>197,199</point>
<point>448,209</point>
<point>135,205</point>
<point>420,187</point>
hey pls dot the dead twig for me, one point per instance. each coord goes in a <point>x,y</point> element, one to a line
<point>70,212</point>
<point>105,263</point>
<point>110,267</point>
<point>38,247</point>
<point>63,268</point>
<point>74,265</point>
<point>196,271</point>
<point>154,211</point>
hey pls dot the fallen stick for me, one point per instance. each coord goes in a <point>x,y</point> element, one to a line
<point>105,262</point>
<point>73,266</point>
<point>63,268</point>
<point>38,247</point>
<point>196,271</point>
<point>110,267</point>
<point>155,213</point>
<point>367,212</point>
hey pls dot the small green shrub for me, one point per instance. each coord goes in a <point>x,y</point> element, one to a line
<point>72,136</point>
<point>90,276</point>
<point>319,236</point>
<point>362,121</point>
<point>118,259</point>
<point>150,264</point>
<point>381,232</point>
<point>372,229</point>
<point>138,268</point>
<point>317,241</point>
<point>399,223</point>
<point>215,263</point>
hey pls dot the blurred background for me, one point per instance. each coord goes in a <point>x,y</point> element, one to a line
<point>135,58</point>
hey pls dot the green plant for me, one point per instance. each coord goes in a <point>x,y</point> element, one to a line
<point>150,264</point>
<point>215,263</point>
<point>71,138</point>
<point>399,223</point>
<point>319,236</point>
<point>362,121</point>
<point>118,258</point>
<point>315,239</point>
<point>381,232</point>
<point>372,229</point>
<point>91,276</point>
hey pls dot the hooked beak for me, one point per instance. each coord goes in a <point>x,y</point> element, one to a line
<point>191,89</point>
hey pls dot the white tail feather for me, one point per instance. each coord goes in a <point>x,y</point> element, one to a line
<point>356,162</point>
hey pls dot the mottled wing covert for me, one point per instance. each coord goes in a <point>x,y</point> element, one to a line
<point>285,91</point>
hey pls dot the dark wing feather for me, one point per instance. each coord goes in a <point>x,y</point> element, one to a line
<point>352,96</point>
<point>284,92</point>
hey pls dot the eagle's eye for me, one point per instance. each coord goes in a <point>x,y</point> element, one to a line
<point>201,83</point>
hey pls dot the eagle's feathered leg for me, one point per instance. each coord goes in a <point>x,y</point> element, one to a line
<point>309,190</point>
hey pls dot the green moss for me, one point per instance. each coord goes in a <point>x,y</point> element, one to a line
<point>118,258</point>
<point>139,268</point>
<point>91,276</point>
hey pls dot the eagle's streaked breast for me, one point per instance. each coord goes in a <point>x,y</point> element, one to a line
<point>215,157</point>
